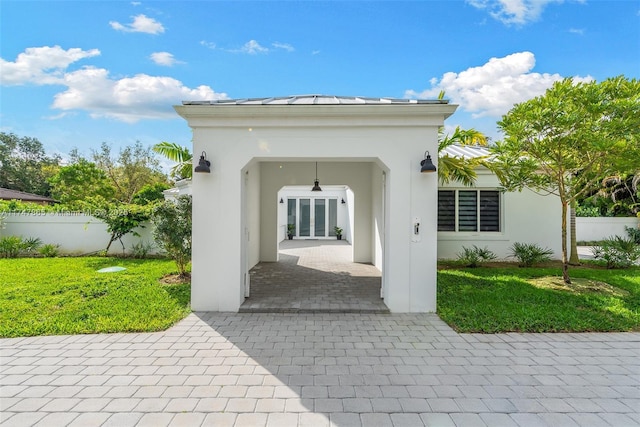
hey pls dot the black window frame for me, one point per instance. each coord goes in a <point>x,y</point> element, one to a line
<point>469,210</point>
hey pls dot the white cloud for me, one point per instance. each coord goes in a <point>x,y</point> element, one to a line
<point>41,65</point>
<point>164,58</point>
<point>284,46</point>
<point>517,12</point>
<point>493,88</point>
<point>129,99</point>
<point>210,45</point>
<point>252,47</point>
<point>578,31</point>
<point>141,24</point>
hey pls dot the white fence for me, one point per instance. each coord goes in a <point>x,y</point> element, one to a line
<point>598,228</point>
<point>75,233</point>
<point>83,234</point>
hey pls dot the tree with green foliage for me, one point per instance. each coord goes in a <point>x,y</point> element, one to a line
<point>24,165</point>
<point>617,195</point>
<point>133,168</point>
<point>183,168</point>
<point>150,193</point>
<point>561,142</point>
<point>79,181</point>
<point>172,232</point>
<point>121,219</point>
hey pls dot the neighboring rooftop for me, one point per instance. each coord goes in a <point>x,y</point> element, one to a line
<point>317,100</point>
<point>8,194</point>
<point>465,151</point>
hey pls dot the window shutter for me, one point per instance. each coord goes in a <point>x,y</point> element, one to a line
<point>446,210</point>
<point>489,211</point>
<point>468,211</point>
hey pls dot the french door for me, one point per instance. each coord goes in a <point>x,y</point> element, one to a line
<point>314,217</point>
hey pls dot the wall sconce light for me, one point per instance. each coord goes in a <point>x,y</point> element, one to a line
<point>204,165</point>
<point>427,164</point>
<point>343,202</point>
<point>281,200</point>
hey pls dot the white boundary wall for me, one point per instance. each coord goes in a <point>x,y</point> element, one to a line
<point>598,228</point>
<point>75,233</point>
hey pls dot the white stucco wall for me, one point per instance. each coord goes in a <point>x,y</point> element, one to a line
<point>526,217</point>
<point>76,234</point>
<point>346,141</point>
<point>599,228</point>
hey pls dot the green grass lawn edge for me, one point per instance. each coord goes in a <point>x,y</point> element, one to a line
<point>501,299</point>
<point>62,296</point>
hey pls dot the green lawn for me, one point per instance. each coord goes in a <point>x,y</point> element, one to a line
<point>52,296</point>
<point>503,299</point>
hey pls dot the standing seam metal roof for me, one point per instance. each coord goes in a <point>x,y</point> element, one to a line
<point>316,100</point>
<point>466,151</point>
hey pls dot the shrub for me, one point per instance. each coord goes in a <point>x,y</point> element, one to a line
<point>617,252</point>
<point>173,230</point>
<point>587,211</point>
<point>10,246</point>
<point>49,250</point>
<point>14,246</point>
<point>528,254</point>
<point>141,249</point>
<point>633,233</point>
<point>473,257</point>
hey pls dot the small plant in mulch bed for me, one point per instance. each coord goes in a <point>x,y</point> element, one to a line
<point>474,256</point>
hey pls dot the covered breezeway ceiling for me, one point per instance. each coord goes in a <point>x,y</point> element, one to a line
<point>374,146</point>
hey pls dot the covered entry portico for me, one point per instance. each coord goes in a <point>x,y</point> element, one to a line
<point>256,147</point>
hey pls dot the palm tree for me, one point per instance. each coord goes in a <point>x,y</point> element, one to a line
<point>174,152</point>
<point>459,169</point>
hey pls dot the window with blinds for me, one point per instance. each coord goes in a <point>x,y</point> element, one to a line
<point>469,210</point>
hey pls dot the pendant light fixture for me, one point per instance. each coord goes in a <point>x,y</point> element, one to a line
<point>316,183</point>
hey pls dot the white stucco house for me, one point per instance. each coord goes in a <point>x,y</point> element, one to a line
<point>261,158</point>
<point>258,147</point>
<point>484,216</point>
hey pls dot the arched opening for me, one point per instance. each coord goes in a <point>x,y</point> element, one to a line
<point>313,270</point>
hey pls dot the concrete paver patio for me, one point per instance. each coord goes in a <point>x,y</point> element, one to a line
<point>320,369</point>
<point>315,276</point>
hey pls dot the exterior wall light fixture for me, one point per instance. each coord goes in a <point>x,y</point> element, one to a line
<point>204,165</point>
<point>343,202</point>
<point>427,164</point>
<point>281,200</point>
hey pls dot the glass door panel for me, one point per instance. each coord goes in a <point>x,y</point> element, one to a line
<point>291,213</point>
<point>319,223</point>
<point>333,216</point>
<point>304,226</point>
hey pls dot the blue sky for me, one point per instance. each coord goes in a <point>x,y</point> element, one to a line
<point>76,73</point>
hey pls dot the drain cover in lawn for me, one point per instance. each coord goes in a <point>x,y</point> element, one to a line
<point>111,269</point>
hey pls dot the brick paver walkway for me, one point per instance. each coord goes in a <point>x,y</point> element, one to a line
<point>320,370</point>
<point>315,276</point>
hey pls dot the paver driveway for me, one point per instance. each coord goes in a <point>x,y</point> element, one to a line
<point>319,370</point>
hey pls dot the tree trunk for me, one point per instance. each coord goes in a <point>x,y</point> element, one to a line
<point>573,258</point>
<point>111,240</point>
<point>565,263</point>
